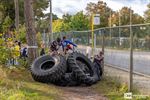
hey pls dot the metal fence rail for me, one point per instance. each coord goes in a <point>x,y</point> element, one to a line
<point>117,44</point>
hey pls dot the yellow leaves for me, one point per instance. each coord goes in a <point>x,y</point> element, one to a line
<point>10,39</point>
<point>57,24</point>
<point>1,34</point>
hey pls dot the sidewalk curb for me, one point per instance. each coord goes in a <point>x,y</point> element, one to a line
<point>126,70</point>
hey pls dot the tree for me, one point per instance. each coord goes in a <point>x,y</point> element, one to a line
<point>43,23</point>
<point>99,8</point>
<point>30,29</point>
<point>47,16</point>
<point>6,24</point>
<point>7,8</point>
<point>124,15</point>
<point>16,15</point>
<point>147,14</point>
<point>38,7</point>
<point>67,18</point>
<point>57,25</point>
<point>79,22</point>
<point>66,25</point>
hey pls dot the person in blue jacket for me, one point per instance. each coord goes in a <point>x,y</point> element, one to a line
<point>66,44</point>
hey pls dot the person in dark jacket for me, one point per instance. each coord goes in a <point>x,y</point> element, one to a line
<point>55,45</point>
<point>97,64</point>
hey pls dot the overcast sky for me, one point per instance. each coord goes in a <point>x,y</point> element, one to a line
<point>61,7</point>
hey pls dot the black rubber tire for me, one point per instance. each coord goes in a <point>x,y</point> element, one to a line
<point>69,79</point>
<point>48,69</point>
<point>79,74</point>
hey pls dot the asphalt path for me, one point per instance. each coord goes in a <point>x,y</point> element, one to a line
<point>121,58</point>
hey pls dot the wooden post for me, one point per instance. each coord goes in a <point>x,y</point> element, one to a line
<point>92,28</point>
<point>131,55</point>
<point>110,31</point>
<point>103,47</point>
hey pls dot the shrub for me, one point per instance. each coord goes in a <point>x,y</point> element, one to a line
<point>5,52</point>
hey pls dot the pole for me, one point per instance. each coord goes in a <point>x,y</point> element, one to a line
<point>110,28</point>
<point>16,15</point>
<point>119,28</point>
<point>92,35</point>
<point>50,27</point>
<point>94,42</point>
<point>103,48</point>
<point>131,55</point>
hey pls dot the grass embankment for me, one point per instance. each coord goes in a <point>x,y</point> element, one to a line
<point>17,84</point>
<point>112,88</point>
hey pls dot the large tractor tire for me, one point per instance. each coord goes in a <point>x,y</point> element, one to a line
<point>48,69</point>
<point>82,68</point>
<point>69,79</point>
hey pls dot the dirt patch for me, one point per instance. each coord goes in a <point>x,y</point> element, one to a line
<point>81,93</point>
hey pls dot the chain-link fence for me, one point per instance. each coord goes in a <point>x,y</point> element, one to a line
<point>117,44</point>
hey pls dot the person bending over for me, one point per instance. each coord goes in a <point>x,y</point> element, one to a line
<point>67,45</point>
<point>55,45</point>
<point>98,63</point>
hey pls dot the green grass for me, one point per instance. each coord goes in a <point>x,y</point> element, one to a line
<point>17,84</point>
<point>112,88</point>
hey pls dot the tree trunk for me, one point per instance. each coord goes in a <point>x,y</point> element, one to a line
<point>30,29</point>
<point>16,15</point>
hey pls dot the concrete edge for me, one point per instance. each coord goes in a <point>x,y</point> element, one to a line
<point>126,70</point>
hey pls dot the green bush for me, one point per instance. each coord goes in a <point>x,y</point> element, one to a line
<point>22,34</point>
<point>5,52</point>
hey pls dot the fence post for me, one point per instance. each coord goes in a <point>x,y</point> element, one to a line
<point>131,56</point>
<point>103,46</point>
<point>88,39</point>
<point>94,42</point>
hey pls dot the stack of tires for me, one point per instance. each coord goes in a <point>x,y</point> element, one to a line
<point>73,70</point>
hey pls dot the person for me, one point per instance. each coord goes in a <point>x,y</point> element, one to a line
<point>16,53</point>
<point>97,64</point>
<point>99,57</point>
<point>24,52</point>
<point>42,52</point>
<point>10,45</point>
<point>88,51</point>
<point>55,45</point>
<point>66,45</point>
